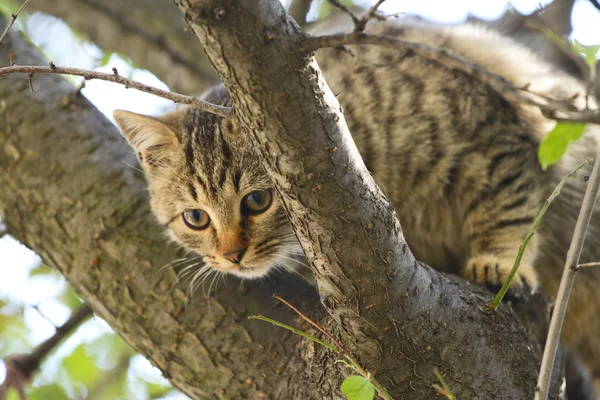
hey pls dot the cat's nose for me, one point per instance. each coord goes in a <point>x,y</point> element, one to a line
<point>235,256</point>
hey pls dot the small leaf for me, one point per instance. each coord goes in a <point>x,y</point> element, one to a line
<point>81,367</point>
<point>358,388</point>
<point>47,392</point>
<point>42,270</point>
<point>589,52</point>
<point>555,144</point>
<point>157,390</point>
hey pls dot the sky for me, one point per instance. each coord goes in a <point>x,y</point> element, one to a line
<point>16,261</point>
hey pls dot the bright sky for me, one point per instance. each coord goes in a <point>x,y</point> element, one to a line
<point>16,261</point>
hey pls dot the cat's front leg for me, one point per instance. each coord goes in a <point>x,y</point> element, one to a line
<point>492,258</point>
<point>492,271</point>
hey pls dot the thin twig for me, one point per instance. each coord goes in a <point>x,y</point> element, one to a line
<point>371,13</point>
<point>360,23</point>
<point>498,299</point>
<point>310,321</point>
<point>116,78</point>
<point>23,366</point>
<point>297,332</point>
<point>383,393</point>
<point>557,109</point>
<point>587,265</point>
<point>566,283</point>
<point>338,4</point>
<point>12,21</point>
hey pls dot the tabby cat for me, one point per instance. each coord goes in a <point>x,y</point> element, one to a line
<point>458,161</point>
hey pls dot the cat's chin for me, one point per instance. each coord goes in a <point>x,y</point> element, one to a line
<point>253,272</point>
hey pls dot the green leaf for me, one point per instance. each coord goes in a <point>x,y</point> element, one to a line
<point>358,388</point>
<point>12,394</point>
<point>156,390</point>
<point>589,52</point>
<point>42,270</point>
<point>555,144</point>
<point>81,367</point>
<point>105,59</point>
<point>47,392</point>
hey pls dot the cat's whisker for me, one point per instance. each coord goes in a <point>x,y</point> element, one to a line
<point>294,260</point>
<point>211,285</point>
<point>186,272</point>
<point>176,262</point>
<point>198,278</point>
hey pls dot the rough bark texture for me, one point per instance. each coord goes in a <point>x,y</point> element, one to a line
<point>66,192</point>
<point>151,32</point>
<point>368,281</point>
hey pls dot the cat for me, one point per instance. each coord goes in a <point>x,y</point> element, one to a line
<point>457,160</point>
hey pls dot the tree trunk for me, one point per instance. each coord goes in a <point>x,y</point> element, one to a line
<point>66,192</point>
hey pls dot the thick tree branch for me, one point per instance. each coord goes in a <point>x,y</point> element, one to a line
<point>368,280</point>
<point>67,193</point>
<point>557,109</point>
<point>116,78</point>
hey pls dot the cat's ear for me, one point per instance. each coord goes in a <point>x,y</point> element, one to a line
<point>154,142</point>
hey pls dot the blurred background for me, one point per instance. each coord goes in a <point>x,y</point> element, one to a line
<point>94,363</point>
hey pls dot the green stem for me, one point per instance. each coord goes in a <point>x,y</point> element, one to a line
<point>498,299</point>
<point>296,331</point>
<point>445,389</point>
<point>381,391</point>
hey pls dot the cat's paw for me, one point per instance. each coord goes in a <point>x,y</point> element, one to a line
<point>492,271</point>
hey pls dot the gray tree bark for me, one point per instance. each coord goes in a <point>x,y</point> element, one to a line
<point>66,192</point>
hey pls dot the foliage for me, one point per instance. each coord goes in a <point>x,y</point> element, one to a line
<point>94,363</point>
<point>358,388</point>
<point>556,143</point>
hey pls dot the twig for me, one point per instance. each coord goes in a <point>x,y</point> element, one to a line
<point>310,321</point>
<point>338,4</point>
<point>566,283</point>
<point>360,23</point>
<point>498,299</point>
<point>336,347</point>
<point>587,265</point>
<point>556,109</point>
<point>115,78</point>
<point>12,21</point>
<point>23,366</point>
<point>297,332</point>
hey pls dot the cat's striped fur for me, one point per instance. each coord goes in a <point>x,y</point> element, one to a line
<point>458,161</point>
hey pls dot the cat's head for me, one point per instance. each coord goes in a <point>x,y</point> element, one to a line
<point>214,198</point>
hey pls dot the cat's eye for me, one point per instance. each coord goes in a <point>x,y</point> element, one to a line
<point>196,219</point>
<point>257,202</point>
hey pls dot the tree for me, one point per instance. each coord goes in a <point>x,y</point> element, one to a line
<point>63,182</point>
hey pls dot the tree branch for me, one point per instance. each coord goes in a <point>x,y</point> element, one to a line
<point>22,367</point>
<point>116,78</point>
<point>149,32</point>
<point>94,225</point>
<point>588,265</point>
<point>566,283</point>
<point>12,21</point>
<point>557,109</point>
<point>367,278</point>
